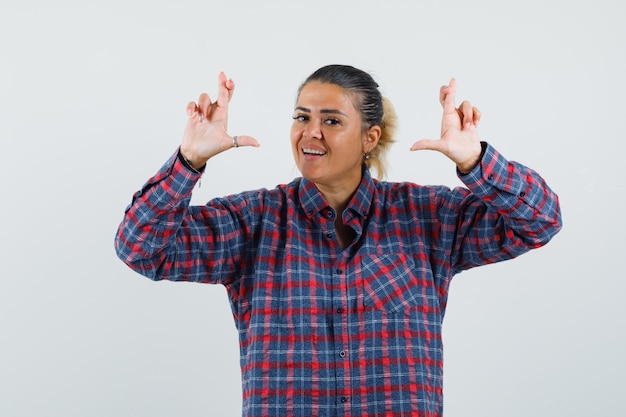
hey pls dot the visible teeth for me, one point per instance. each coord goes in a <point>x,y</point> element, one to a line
<point>313,151</point>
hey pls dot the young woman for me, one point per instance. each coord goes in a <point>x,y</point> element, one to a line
<point>337,281</point>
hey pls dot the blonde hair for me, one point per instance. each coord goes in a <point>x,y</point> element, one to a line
<point>378,156</point>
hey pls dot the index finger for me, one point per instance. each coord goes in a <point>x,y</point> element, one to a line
<point>225,90</point>
<point>447,95</point>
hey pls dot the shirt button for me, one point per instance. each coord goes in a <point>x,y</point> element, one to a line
<point>342,354</point>
<point>329,235</point>
<point>340,310</point>
<point>522,194</point>
<point>339,272</point>
<point>490,177</point>
<point>344,399</point>
<point>330,214</point>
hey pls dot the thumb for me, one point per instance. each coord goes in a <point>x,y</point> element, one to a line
<point>428,144</point>
<point>244,140</point>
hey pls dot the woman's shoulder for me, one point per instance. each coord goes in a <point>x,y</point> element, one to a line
<point>418,196</point>
<point>280,192</point>
<point>408,188</point>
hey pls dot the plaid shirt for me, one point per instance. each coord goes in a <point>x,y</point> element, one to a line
<point>331,332</point>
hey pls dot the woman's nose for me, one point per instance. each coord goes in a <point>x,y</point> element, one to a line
<point>313,129</point>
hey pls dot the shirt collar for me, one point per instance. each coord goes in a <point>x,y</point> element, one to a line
<point>313,201</point>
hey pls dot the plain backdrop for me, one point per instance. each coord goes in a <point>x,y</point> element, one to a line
<point>92,102</point>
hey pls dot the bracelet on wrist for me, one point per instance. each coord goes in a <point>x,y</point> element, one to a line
<point>187,163</point>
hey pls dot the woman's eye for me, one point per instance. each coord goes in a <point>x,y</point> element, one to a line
<point>300,118</point>
<point>331,122</point>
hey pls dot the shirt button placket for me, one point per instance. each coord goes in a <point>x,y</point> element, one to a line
<point>342,355</point>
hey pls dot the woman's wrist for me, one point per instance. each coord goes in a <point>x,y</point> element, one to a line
<point>195,167</point>
<point>468,167</point>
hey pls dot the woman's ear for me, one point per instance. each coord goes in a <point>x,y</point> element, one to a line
<point>371,138</point>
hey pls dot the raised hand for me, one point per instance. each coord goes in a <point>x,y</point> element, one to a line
<point>459,136</point>
<point>206,133</point>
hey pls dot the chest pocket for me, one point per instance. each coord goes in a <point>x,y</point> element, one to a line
<point>392,282</point>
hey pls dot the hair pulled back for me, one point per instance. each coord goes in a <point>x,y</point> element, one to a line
<point>375,110</point>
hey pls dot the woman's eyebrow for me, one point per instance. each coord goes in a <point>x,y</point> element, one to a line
<point>324,111</point>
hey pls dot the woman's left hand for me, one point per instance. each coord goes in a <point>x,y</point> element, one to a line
<point>459,136</point>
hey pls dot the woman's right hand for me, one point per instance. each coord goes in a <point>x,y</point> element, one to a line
<point>206,132</point>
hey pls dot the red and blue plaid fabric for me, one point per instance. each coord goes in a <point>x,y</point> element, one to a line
<point>331,332</point>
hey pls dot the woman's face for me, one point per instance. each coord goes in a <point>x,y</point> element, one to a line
<point>327,139</point>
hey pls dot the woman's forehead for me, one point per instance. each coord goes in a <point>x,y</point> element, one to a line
<point>322,95</point>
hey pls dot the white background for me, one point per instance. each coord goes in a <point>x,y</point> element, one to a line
<point>92,102</point>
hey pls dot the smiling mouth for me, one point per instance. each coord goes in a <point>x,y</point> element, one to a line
<point>313,152</point>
